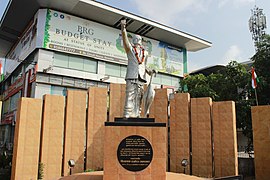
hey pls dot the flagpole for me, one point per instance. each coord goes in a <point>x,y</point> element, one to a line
<point>256,96</point>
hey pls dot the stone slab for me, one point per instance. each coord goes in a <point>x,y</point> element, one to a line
<point>117,100</point>
<point>27,139</point>
<point>97,115</point>
<point>261,141</point>
<point>114,134</point>
<point>225,140</point>
<point>179,132</point>
<point>52,136</point>
<point>201,131</point>
<point>75,128</point>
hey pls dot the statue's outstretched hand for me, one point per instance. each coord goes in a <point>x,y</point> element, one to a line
<point>123,24</point>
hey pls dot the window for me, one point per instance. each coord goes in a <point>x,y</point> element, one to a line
<point>60,60</point>
<point>157,79</point>
<point>90,65</point>
<point>123,71</point>
<point>14,101</point>
<point>16,75</point>
<point>166,80</point>
<point>175,81</point>
<point>75,62</point>
<point>58,90</point>
<point>6,105</point>
<point>112,69</point>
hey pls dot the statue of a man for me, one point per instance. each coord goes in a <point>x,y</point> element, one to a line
<point>136,73</point>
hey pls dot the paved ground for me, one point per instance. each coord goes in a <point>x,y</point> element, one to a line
<point>98,175</point>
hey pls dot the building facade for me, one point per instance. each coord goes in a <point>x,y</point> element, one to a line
<point>74,45</point>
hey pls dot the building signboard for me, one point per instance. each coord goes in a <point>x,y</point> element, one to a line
<point>70,34</point>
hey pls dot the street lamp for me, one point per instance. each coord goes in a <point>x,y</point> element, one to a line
<point>71,164</point>
<point>184,163</point>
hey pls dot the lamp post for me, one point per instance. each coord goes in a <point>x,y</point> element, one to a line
<point>71,164</point>
<point>184,163</point>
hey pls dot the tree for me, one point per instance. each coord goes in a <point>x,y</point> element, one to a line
<point>231,83</point>
<point>262,67</point>
<point>198,86</point>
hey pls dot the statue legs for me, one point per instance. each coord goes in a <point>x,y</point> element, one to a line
<point>134,93</point>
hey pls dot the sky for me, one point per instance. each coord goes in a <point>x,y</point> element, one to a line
<point>3,4</point>
<point>222,22</point>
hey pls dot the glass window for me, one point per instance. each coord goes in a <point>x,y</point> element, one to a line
<point>58,90</point>
<point>14,101</point>
<point>112,69</point>
<point>123,71</point>
<point>75,62</point>
<point>90,65</point>
<point>16,75</point>
<point>60,60</point>
<point>157,79</point>
<point>175,81</point>
<point>166,80</point>
<point>6,105</point>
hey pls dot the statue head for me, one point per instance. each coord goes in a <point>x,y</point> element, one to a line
<point>137,40</point>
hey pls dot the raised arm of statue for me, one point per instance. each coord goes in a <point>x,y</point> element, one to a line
<point>124,36</point>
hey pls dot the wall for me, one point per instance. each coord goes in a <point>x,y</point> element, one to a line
<point>201,137</point>
<point>261,141</point>
<point>180,132</point>
<point>27,139</point>
<point>225,141</point>
<point>72,128</point>
<point>51,149</point>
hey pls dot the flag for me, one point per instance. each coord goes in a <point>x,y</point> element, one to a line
<point>254,79</point>
<point>1,72</point>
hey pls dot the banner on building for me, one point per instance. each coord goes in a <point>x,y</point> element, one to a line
<point>70,34</point>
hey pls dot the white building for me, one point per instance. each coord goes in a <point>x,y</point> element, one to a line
<point>50,46</point>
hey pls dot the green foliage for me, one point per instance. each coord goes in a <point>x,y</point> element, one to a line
<point>40,170</point>
<point>198,86</point>
<point>231,83</point>
<point>262,67</point>
<point>47,28</point>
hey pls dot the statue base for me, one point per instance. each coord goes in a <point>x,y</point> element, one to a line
<point>135,148</point>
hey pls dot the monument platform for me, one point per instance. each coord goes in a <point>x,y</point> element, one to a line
<point>135,148</point>
<point>98,175</point>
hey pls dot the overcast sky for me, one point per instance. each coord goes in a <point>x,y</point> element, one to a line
<point>222,22</point>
